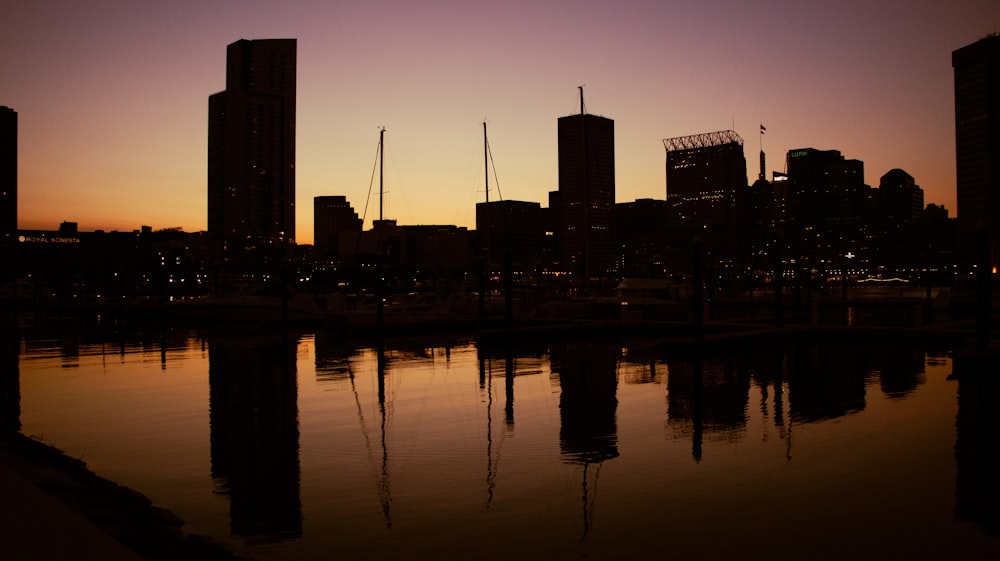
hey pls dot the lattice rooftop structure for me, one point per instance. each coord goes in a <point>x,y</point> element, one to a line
<point>703,140</point>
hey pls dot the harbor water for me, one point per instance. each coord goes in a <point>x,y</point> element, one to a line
<point>304,445</point>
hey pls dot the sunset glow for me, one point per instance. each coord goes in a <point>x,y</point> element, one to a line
<point>112,96</point>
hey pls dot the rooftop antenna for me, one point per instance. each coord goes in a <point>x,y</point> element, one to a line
<point>761,146</point>
<point>583,108</point>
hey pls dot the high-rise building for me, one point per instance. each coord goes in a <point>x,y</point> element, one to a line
<point>251,152</point>
<point>336,226</point>
<point>898,223</point>
<point>8,176</point>
<point>586,194</point>
<point>707,195</point>
<point>829,207</point>
<point>977,141</point>
<point>706,176</point>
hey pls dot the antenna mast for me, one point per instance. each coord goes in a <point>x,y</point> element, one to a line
<point>583,110</point>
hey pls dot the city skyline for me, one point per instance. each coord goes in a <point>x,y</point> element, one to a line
<point>113,123</point>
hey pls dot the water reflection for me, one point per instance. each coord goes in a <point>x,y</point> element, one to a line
<point>255,433</point>
<point>409,448</point>
<point>977,448</point>
<point>334,365</point>
<point>588,405</point>
<point>707,396</point>
<point>768,372</point>
<point>383,485</point>
<point>10,377</point>
<point>520,361</point>
<point>900,371</point>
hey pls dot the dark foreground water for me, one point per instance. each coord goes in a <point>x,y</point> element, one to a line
<point>303,446</point>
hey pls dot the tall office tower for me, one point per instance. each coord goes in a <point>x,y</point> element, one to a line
<point>586,194</point>
<point>251,153</point>
<point>336,226</point>
<point>8,176</point>
<point>829,206</point>
<point>977,142</point>
<point>706,177</point>
<point>707,193</point>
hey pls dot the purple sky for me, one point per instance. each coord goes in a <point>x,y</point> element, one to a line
<point>112,95</point>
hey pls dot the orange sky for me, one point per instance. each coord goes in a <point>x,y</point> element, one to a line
<point>112,96</point>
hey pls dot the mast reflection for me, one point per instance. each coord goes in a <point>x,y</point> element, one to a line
<point>254,433</point>
<point>588,405</point>
<point>522,360</point>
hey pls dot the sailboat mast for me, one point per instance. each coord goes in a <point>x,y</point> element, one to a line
<point>381,166</point>
<point>486,161</point>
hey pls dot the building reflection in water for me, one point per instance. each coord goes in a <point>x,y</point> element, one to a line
<point>10,376</point>
<point>977,443</point>
<point>707,398</point>
<point>768,373</point>
<point>825,381</point>
<point>901,370</point>
<point>255,434</point>
<point>588,406</point>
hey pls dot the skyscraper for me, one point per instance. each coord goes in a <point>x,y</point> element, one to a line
<point>8,176</point>
<point>828,207</point>
<point>251,152</point>
<point>977,141</point>
<point>586,194</point>
<point>706,176</point>
<point>707,195</point>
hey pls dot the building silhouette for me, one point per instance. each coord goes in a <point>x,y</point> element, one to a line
<point>426,246</point>
<point>706,193</point>
<point>829,207</point>
<point>899,198</point>
<point>8,176</point>
<point>641,230</point>
<point>514,228</point>
<point>905,236</point>
<point>586,194</point>
<point>977,141</point>
<point>706,175</point>
<point>336,227</point>
<point>251,153</point>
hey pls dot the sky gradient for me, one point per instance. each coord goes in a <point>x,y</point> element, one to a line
<point>112,95</point>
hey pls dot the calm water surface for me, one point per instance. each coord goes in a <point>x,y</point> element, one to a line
<point>303,446</point>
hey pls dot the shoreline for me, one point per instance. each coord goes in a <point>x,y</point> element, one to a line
<point>125,515</point>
